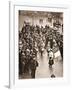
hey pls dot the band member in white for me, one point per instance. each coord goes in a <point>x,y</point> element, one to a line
<point>51,57</point>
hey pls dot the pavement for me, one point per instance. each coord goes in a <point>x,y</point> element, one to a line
<point>44,71</point>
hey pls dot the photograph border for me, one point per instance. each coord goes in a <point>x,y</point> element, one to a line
<point>13,43</point>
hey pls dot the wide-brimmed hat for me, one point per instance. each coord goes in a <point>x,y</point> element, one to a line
<point>27,50</point>
<point>34,58</point>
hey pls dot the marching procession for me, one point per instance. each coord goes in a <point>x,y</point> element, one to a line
<point>34,40</point>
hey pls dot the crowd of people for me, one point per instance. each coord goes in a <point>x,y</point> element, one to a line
<point>34,39</point>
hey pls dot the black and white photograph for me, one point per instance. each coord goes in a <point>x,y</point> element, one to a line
<point>40,44</point>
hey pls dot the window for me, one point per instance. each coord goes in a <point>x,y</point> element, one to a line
<point>41,21</point>
<point>49,20</point>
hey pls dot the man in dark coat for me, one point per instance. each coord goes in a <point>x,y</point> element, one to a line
<point>61,49</point>
<point>33,66</point>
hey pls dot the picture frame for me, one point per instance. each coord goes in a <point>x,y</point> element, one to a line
<point>13,34</point>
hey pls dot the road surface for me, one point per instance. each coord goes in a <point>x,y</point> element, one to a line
<point>43,70</point>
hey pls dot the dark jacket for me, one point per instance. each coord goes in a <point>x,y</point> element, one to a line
<point>33,64</point>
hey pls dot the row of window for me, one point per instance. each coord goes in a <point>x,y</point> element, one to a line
<point>48,20</point>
